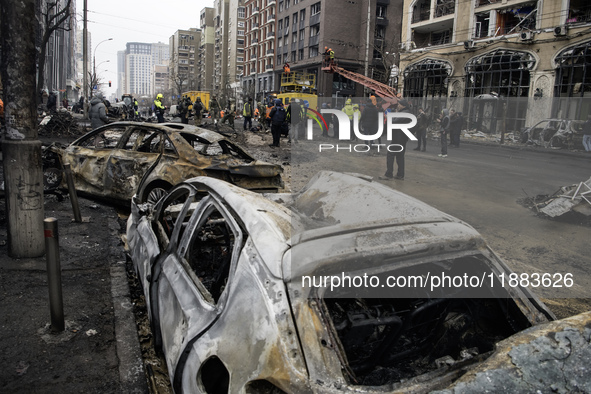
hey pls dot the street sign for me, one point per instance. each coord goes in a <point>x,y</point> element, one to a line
<point>95,87</point>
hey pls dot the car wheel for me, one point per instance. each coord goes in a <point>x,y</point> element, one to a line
<point>52,177</point>
<point>155,194</point>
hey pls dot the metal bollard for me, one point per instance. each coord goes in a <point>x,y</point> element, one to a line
<point>54,274</point>
<point>72,192</point>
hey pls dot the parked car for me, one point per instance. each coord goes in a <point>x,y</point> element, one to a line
<point>224,273</point>
<point>121,159</point>
<point>555,133</point>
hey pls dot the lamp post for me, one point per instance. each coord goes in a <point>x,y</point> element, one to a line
<point>94,56</point>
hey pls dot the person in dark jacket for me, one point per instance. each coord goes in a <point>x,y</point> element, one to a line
<point>400,138</point>
<point>443,131</point>
<point>455,128</point>
<point>278,116</point>
<point>52,102</point>
<point>370,121</point>
<point>98,111</point>
<point>421,129</point>
<point>295,114</point>
<point>198,111</point>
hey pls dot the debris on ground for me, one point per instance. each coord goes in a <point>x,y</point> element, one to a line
<point>576,197</point>
<point>571,203</point>
<point>60,123</point>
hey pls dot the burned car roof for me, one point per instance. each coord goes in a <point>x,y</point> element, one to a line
<point>120,159</point>
<point>222,270</point>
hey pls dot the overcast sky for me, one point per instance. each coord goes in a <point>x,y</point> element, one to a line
<point>133,21</point>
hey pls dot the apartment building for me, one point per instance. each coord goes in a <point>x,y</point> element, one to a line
<point>470,55</point>
<point>184,46</point>
<point>235,42</point>
<point>135,67</point>
<point>220,65</point>
<point>259,49</point>
<point>160,80</point>
<point>60,56</point>
<point>205,54</point>
<point>305,27</point>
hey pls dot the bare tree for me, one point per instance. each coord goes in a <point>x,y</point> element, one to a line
<point>53,19</point>
<point>387,51</point>
<point>178,79</point>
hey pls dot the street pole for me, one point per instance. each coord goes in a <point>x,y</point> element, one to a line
<point>367,42</point>
<point>85,61</point>
<point>23,176</point>
<point>94,79</point>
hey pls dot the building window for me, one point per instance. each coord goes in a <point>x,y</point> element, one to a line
<point>302,14</point>
<point>481,26</point>
<point>498,73</point>
<point>240,32</point>
<point>313,51</point>
<point>240,24</point>
<point>314,30</point>
<point>573,82</point>
<point>300,54</point>
<point>281,6</point>
<point>380,32</point>
<point>278,59</point>
<point>287,22</point>
<point>579,11</point>
<point>315,9</point>
<point>293,56</point>
<point>381,11</point>
<point>241,12</point>
<point>302,34</point>
<point>294,37</point>
<point>280,24</point>
<point>427,80</point>
<point>445,7</point>
<point>514,20</point>
<point>286,4</point>
<point>294,17</point>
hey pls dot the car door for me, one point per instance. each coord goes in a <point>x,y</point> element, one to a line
<point>137,153</point>
<point>88,158</point>
<point>193,277</point>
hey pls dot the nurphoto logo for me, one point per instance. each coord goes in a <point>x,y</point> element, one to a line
<point>372,141</point>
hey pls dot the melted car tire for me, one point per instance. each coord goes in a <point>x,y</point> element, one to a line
<point>52,178</point>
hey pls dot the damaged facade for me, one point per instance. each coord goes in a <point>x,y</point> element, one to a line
<point>222,270</point>
<point>468,55</point>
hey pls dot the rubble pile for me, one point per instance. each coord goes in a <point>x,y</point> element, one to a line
<point>61,123</point>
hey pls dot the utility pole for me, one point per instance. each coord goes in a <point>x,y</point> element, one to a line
<point>23,176</point>
<point>85,61</point>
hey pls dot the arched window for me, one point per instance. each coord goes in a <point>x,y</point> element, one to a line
<point>573,82</point>
<point>497,84</point>
<point>504,72</point>
<point>427,81</point>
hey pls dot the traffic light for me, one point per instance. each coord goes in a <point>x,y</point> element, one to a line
<point>109,83</point>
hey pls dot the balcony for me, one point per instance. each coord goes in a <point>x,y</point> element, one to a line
<point>254,41</point>
<point>271,2</point>
<point>381,21</point>
<point>269,67</point>
<point>255,25</point>
<point>271,18</point>
<point>270,52</point>
<point>271,34</point>
<point>255,10</point>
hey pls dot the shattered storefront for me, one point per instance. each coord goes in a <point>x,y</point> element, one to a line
<point>573,82</point>
<point>491,77</point>
<point>428,81</point>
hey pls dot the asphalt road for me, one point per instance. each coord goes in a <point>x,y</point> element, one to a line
<point>481,184</point>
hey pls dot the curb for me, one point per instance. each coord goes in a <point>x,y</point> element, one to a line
<point>131,366</point>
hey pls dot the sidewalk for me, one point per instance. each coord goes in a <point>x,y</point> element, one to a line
<point>99,350</point>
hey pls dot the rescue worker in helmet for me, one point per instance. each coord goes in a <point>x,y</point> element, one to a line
<point>330,56</point>
<point>159,107</point>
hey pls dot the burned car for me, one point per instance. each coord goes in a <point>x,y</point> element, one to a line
<point>555,133</point>
<point>226,275</point>
<point>120,159</point>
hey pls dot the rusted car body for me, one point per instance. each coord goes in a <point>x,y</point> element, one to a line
<point>115,160</point>
<point>555,133</point>
<point>223,272</point>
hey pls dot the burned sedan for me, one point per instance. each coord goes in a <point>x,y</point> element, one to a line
<point>241,291</point>
<point>115,160</point>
